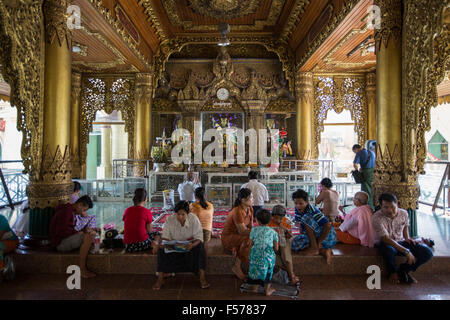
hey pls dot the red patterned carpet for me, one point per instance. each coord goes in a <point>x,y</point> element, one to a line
<point>220,215</point>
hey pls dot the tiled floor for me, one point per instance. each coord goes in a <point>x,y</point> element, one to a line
<point>223,287</point>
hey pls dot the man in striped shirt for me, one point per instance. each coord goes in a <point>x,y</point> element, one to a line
<point>318,235</point>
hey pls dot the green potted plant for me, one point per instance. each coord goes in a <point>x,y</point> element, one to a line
<point>159,156</point>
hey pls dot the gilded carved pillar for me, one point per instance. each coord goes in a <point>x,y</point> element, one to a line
<point>371,106</point>
<point>390,174</point>
<point>255,118</point>
<point>106,156</point>
<point>54,184</point>
<point>143,138</point>
<point>75,125</point>
<point>304,89</point>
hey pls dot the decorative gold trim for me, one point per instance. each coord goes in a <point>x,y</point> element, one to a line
<point>328,59</point>
<point>388,178</point>
<point>391,21</point>
<point>327,31</point>
<point>120,59</point>
<point>153,18</point>
<point>281,105</point>
<point>167,47</point>
<point>336,90</point>
<point>294,17</point>
<point>104,92</point>
<point>83,48</point>
<point>426,58</point>
<point>22,60</point>
<point>275,10</point>
<point>119,28</point>
<point>55,13</point>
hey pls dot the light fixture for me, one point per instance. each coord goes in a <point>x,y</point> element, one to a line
<point>223,28</point>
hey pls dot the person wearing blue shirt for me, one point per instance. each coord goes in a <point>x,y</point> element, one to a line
<point>366,160</point>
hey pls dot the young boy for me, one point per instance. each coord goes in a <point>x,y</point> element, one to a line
<point>282,226</point>
<point>317,232</point>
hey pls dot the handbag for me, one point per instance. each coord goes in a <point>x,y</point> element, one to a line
<point>358,175</point>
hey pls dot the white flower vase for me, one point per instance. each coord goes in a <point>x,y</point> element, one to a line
<point>158,167</point>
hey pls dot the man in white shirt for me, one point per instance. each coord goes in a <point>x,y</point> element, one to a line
<point>259,191</point>
<point>186,189</point>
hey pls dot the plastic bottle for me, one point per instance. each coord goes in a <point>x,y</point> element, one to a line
<point>97,244</point>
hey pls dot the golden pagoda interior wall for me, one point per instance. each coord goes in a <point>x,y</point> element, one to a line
<point>108,93</point>
<point>339,92</point>
<point>256,87</point>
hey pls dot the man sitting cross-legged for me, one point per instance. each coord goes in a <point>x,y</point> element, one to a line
<point>391,225</point>
<point>65,238</point>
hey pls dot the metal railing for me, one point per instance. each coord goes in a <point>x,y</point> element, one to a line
<point>435,185</point>
<point>13,183</point>
<point>325,168</point>
<point>128,168</point>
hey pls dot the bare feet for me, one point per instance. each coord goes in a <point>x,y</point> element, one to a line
<point>86,274</point>
<point>393,278</point>
<point>326,253</point>
<point>158,284</point>
<point>411,279</point>
<point>237,269</point>
<point>311,252</point>
<point>269,290</point>
<point>294,280</point>
<point>204,284</point>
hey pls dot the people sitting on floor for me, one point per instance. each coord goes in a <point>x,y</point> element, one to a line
<point>318,235</point>
<point>330,199</point>
<point>391,226</point>
<point>76,192</point>
<point>8,242</point>
<point>65,238</point>
<point>187,188</point>
<point>138,235</point>
<point>264,240</point>
<point>259,191</point>
<point>182,226</point>
<point>236,231</point>
<point>357,227</point>
<point>204,210</point>
<point>283,227</point>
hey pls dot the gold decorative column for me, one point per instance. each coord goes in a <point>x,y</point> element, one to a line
<point>75,125</point>
<point>143,132</point>
<point>390,174</point>
<point>304,89</point>
<point>53,185</point>
<point>371,81</point>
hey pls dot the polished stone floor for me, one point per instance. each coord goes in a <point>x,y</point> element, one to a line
<point>223,287</point>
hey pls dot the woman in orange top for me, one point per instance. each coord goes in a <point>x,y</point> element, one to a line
<point>236,232</point>
<point>204,210</point>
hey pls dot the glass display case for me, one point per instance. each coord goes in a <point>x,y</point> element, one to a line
<point>131,184</point>
<point>275,188</point>
<point>110,190</point>
<point>220,195</point>
<point>226,177</point>
<point>160,181</point>
<point>289,175</point>
<point>292,186</point>
<point>88,187</point>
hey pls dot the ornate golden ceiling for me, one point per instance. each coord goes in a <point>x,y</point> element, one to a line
<point>141,35</point>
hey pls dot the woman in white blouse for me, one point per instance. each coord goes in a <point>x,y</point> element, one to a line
<point>182,226</point>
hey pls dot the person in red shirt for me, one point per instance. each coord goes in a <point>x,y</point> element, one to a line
<point>65,238</point>
<point>138,235</point>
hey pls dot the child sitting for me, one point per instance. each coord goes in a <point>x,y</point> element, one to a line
<point>317,232</point>
<point>262,255</point>
<point>282,226</point>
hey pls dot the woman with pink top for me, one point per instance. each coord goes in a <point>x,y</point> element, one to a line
<point>357,227</point>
